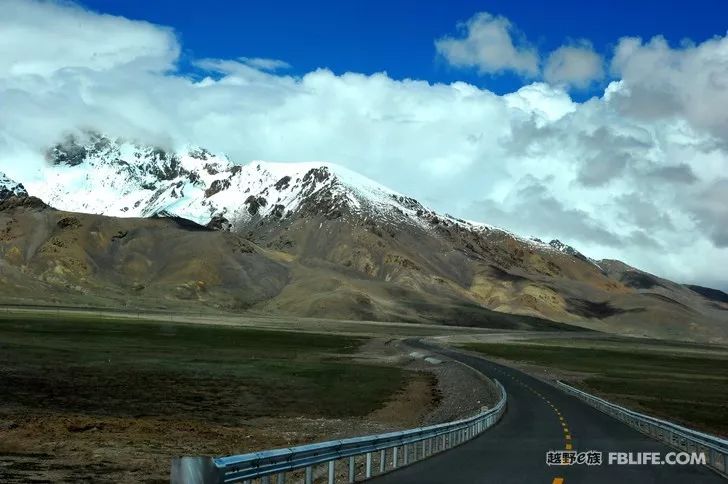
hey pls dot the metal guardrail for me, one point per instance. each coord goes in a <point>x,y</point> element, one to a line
<point>683,438</point>
<point>381,453</point>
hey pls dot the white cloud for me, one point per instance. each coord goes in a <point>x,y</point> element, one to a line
<point>574,65</point>
<point>41,38</point>
<point>265,64</point>
<point>490,44</point>
<point>593,174</point>
<point>689,82</point>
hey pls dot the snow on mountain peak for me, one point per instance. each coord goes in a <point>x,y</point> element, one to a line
<point>116,177</point>
<point>10,188</point>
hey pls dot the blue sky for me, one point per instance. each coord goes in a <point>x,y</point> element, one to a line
<point>397,36</point>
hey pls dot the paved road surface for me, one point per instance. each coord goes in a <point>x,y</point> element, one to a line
<point>514,451</point>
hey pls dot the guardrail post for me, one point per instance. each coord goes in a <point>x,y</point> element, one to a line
<point>405,454</point>
<point>194,470</point>
<point>265,480</point>
<point>382,461</point>
<point>394,457</point>
<point>309,475</point>
<point>369,465</point>
<point>352,468</point>
<point>281,478</point>
<point>332,474</point>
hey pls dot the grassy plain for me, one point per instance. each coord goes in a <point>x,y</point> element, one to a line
<point>113,400</point>
<point>687,383</point>
<point>204,372</point>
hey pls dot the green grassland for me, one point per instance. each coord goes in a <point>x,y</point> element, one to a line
<point>210,373</point>
<point>678,382</point>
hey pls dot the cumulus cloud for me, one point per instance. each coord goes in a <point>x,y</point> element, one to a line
<point>34,41</point>
<point>689,82</point>
<point>710,210</point>
<point>531,206</point>
<point>574,65</point>
<point>646,186</point>
<point>491,44</point>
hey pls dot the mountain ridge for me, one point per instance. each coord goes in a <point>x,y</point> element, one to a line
<point>195,184</point>
<point>349,247</point>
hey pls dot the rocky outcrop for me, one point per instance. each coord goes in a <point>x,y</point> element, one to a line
<point>10,188</point>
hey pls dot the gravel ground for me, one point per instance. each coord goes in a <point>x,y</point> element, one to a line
<point>463,390</point>
<point>460,390</point>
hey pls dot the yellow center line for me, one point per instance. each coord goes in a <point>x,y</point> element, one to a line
<point>567,437</point>
<point>569,447</point>
<point>566,430</point>
<point>558,480</point>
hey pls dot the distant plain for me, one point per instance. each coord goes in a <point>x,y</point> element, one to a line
<point>686,383</point>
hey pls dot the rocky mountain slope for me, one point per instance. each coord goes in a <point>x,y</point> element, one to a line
<point>51,256</point>
<point>349,247</point>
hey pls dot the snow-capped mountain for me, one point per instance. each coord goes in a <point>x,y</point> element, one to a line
<point>308,239</point>
<point>119,178</point>
<point>10,188</point>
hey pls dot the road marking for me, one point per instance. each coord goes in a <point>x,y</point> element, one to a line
<point>567,437</point>
<point>566,429</point>
<point>561,418</point>
<point>569,447</point>
<point>558,480</point>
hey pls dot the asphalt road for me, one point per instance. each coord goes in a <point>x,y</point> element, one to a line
<point>514,451</point>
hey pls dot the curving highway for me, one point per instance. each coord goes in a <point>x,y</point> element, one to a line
<point>541,418</point>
